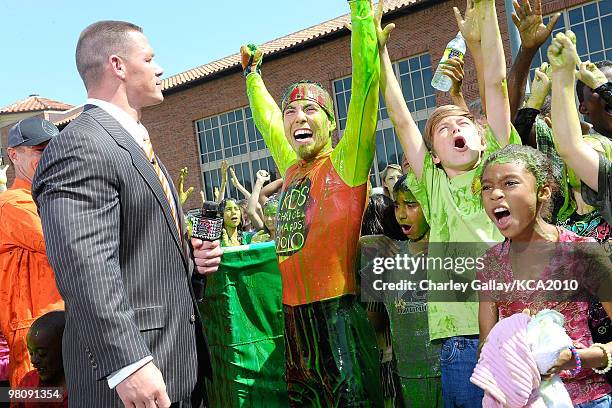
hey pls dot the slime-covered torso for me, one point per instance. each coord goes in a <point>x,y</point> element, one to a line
<point>318,226</point>
<point>323,199</point>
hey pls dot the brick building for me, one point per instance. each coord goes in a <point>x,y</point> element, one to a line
<point>205,116</point>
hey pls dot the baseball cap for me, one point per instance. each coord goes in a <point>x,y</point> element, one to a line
<point>31,132</point>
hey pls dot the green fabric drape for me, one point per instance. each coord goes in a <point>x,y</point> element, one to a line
<point>243,319</point>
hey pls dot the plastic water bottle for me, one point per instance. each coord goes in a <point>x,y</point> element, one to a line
<point>455,48</point>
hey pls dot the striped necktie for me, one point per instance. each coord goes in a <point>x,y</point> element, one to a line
<point>148,149</point>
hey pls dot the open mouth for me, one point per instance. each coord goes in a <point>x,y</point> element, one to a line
<point>302,135</point>
<point>460,144</point>
<point>406,229</point>
<point>503,218</point>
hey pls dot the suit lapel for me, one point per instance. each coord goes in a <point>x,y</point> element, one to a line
<point>144,168</point>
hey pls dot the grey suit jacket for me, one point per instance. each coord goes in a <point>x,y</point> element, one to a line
<point>120,265</point>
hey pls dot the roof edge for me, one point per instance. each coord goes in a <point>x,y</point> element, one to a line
<point>232,62</point>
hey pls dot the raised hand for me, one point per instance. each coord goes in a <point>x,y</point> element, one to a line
<point>540,87</point>
<point>263,176</point>
<point>529,23</point>
<point>591,75</point>
<point>470,25</point>
<point>251,58</point>
<point>224,167</point>
<point>562,54</point>
<point>235,180</point>
<point>183,195</point>
<point>453,68</point>
<point>382,34</point>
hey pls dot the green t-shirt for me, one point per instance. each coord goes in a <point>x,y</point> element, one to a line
<point>455,215</point>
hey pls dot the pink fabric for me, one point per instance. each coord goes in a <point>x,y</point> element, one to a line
<point>4,358</point>
<point>587,386</point>
<point>506,370</point>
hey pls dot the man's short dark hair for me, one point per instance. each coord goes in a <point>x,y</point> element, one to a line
<point>51,322</point>
<point>580,85</point>
<point>98,42</point>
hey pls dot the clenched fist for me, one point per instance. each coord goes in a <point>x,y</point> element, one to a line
<point>251,59</point>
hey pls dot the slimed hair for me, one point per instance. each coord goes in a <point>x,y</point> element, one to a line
<point>437,116</point>
<point>270,207</point>
<point>401,185</point>
<point>534,161</point>
<point>312,91</point>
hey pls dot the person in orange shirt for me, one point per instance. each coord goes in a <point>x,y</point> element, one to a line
<point>27,282</point>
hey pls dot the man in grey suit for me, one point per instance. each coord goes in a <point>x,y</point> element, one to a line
<point>114,234</point>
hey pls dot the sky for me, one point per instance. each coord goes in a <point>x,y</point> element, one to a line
<point>39,37</point>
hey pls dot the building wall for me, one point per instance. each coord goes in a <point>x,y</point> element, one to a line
<point>171,124</point>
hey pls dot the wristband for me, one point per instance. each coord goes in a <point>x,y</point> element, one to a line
<point>575,371</point>
<point>607,354</point>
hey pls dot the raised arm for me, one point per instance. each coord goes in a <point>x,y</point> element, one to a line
<point>533,34</point>
<point>470,29</point>
<point>183,195</point>
<point>253,203</point>
<point>222,189</point>
<point>353,156</point>
<point>266,114</point>
<point>494,71</point>
<point>269,189</point>
<point>578,155</point>
<point>454,70</point>
<point>236,183</point>
<point>526,117</point>
<point>406,129</point>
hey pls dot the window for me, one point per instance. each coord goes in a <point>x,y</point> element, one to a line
<point>231,136</point>
<point>414,75</point>
<point>588,22</point>
<point>342,92</point>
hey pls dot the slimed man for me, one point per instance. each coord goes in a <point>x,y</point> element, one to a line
<point>332,359</point>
